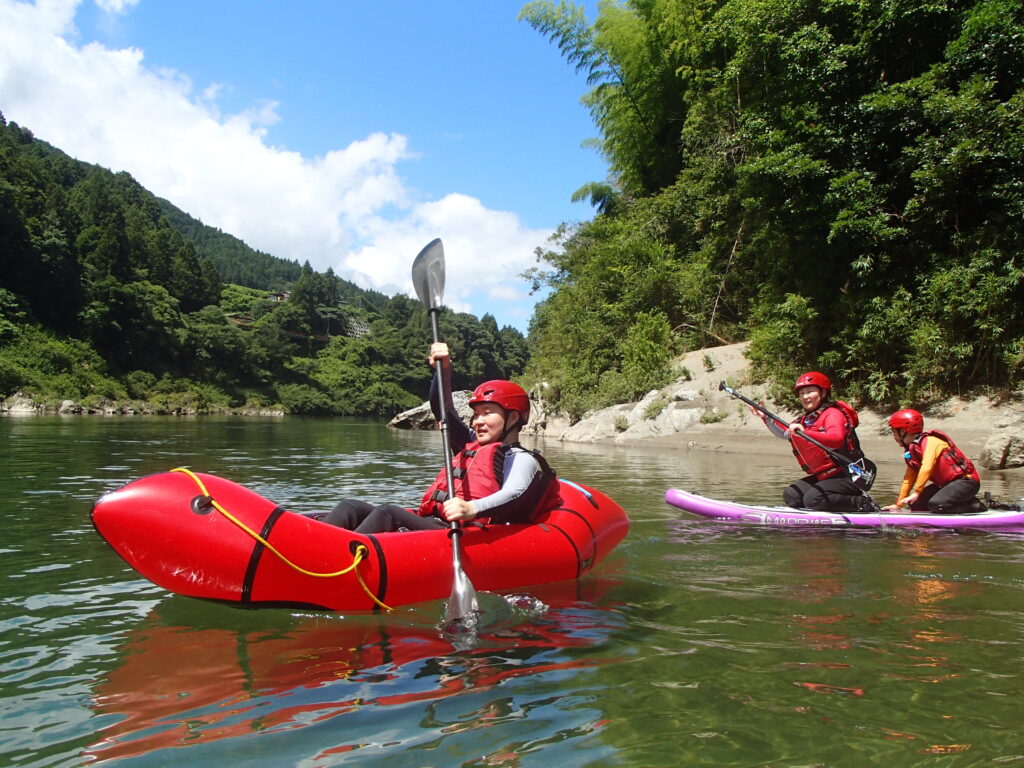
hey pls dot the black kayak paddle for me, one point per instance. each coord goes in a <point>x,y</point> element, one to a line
<point>428,278</point>
<point>862,470</point>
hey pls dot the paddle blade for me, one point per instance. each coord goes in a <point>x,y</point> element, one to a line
<point>862,473</point>
<point>428,274</point>
<point>463,603</point>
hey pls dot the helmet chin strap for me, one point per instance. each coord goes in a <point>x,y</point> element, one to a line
<point>505,427</point>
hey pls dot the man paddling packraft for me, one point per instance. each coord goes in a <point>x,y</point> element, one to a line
<point>933,456</point>
<point>832,423</point>
<point>496,480</point>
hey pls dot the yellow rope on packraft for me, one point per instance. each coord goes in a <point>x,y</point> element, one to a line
<point>357,556</point>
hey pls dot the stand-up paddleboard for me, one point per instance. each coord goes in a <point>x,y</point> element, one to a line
<point>786,517</point>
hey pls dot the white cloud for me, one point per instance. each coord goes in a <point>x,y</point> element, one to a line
<point>349,210</point>
<point>116,6</point>
<point>484,250</point>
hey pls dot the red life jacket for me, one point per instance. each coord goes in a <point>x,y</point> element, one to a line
<point>813,459</point>
<point>478,472</point>
<point>951,465</point>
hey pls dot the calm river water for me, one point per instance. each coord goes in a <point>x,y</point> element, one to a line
<point>694,644</point>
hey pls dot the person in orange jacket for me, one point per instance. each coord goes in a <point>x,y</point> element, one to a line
<point>940,478</point>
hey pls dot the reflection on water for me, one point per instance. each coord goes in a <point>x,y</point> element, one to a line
<point>181,682</point>
<point>693,643</point>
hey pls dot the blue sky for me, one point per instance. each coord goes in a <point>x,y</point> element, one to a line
<point>342,132</point>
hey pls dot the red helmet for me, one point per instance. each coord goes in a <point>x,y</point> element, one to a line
<point>908,420</point>
<point>509,396</point>
<point>813,379</point>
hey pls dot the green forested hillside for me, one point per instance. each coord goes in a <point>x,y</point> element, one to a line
<point>105,299</point>
<point>239,264</point>
<point>840,182</point>
<point>235,261</point>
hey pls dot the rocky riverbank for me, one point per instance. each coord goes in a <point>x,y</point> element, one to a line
<point>20,404</point>
<point>692,412</point>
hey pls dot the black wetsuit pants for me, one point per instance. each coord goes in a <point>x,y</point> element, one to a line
<point>363,517</point>
<point>834,494</point>
<point>954,498</point>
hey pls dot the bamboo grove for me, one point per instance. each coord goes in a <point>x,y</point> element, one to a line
<point>840,182</point>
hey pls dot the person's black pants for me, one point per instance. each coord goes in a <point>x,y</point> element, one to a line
<point>834,494</point>
<point>363,517</point>
<point>954,498</point>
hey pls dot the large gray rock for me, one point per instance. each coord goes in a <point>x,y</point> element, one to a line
<point>602,424</point>
<point>542,420</point>
<point>659,412</point>
<point>1004,448</point>
<point>421,417</point>
<point>19,404</point>
<point>691,401</point>
<point>673,417</point>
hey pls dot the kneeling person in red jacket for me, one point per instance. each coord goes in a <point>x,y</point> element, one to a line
<point>832,423</point>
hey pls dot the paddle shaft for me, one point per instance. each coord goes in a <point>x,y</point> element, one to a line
<point>443,420</point>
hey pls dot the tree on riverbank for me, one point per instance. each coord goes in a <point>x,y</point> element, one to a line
<point>103,300</point>
<point>841,183</point>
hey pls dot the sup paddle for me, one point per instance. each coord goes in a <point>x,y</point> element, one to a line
<point>428,279</point>
<point>862,471</point>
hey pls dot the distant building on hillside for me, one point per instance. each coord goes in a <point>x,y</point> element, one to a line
<point>356,327</point>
